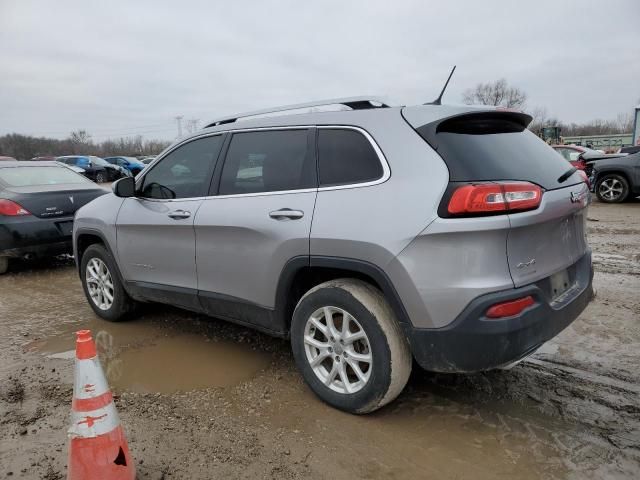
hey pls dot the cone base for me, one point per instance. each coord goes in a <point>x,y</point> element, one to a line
<point>105,457</point>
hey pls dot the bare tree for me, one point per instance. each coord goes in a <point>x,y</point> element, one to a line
<point>498,93</point>
<point>541,118</point>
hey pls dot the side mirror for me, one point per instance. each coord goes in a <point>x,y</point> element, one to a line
<point>125,187</point>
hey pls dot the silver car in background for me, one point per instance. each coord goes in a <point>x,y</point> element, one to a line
<point>370,237</point>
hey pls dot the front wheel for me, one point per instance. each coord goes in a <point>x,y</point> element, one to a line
<point>612,188</point>
<point>349,346</point>
<point>102,285</point>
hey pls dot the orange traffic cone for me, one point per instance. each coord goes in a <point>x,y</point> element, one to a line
<point>98,448</point>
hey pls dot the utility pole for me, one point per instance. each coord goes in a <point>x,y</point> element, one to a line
<point>179,120</point>
<point>192,125</point>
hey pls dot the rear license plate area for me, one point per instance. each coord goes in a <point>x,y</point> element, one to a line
<point>559,283</point>
<point>66,228</point>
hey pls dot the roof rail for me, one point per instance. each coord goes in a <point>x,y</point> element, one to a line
<point>355,103</point>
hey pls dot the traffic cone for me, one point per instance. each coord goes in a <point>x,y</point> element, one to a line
<point>98,448</point>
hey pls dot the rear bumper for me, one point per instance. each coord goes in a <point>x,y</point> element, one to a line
<point>474,342</point>
<point>20,236</point>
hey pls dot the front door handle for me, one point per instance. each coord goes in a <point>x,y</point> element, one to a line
<point>179,214</point>
<point>285,213</point>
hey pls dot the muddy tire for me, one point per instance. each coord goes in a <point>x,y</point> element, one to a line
<point>4,265</point>
<point>102,285</point>
<point>612,188</point>
<point>349,346</point>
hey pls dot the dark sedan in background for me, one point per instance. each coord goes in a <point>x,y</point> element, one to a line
<point>616,179</point>
<point>37,204</point>
<point>95,168</point>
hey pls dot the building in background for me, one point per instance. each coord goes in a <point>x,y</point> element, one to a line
<point>601,142</point>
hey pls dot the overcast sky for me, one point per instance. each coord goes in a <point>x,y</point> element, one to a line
<point>123,67</point>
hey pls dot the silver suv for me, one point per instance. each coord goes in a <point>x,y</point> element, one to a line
<point>369,236</point>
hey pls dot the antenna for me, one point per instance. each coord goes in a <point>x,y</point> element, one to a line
<point>438,101</point>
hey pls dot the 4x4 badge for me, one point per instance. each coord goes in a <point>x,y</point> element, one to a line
<point>577,197</point>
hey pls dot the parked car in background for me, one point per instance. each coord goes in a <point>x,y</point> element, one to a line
<point>616,179</point>
<point>582,157</point>
<point>132,164</point>
<point>95,168</point>
<point>37,204</point>
<point>7,159</point>
<point>73,168</point>
<point>148,159</point>
<point>572,153</point>
<point>630,149</point>
<point>44,158</point>
<point>372,237</point>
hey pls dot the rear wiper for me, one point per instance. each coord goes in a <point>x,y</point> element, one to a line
<point>567,174</point>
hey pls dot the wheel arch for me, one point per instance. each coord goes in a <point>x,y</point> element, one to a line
<point>613,171</point>
<point>300,274</point>
<point>84,238</point>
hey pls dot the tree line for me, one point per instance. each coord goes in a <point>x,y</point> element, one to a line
<point>500,93</point>
<point>25,147</point>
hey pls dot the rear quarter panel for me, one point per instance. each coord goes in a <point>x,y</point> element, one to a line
<point>375,223</point>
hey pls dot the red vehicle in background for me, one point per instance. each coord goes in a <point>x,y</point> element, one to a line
<point>583,158</point>
<point>573,154</point>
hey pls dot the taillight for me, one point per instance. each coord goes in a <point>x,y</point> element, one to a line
<point>12,209</point>
<point>494,197</point>
<point>510,308</point>
<point>585,177</point>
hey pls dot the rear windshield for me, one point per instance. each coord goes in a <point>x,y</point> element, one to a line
<point>33,176</point>
<point>494,146</point>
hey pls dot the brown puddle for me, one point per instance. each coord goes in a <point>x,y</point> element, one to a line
<point>141,357</point>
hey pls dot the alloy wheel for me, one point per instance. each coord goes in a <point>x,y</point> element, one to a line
<point>610,189</point>
<point>99,284</point>
<point>338,350</point>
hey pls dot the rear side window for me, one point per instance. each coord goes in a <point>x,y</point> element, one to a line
<point>494,146</point>
<point>183,173</point>
<point>268,161</point>
<point>345,157</point>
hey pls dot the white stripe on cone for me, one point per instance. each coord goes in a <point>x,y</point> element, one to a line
<point>94,423</point>
<point>89,379</point>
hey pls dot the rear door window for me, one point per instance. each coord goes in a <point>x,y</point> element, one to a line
<point>268,161</point>
<point>345,157</point>
<point>184,172</point>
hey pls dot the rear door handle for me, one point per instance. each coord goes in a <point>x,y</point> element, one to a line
<point>284,213</point>
<point>179,214</point>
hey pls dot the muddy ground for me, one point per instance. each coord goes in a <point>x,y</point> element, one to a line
<point>200,398</point>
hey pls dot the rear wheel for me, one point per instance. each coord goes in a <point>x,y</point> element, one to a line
<point>102,285</point>
<point>612,188</point>
<point>349,347</point>
<point>4,265</point>
<point>101,177</point>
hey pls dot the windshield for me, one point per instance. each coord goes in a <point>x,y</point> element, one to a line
<point>134,161</point>
<point>33,176</point>
<point>99,161</point>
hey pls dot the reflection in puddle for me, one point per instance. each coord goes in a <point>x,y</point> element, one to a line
<point>141,357</point>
